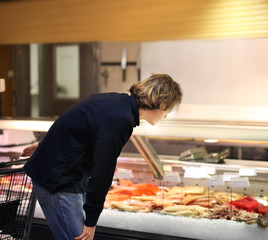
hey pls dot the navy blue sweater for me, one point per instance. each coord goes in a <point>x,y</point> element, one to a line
<point>80,150</point>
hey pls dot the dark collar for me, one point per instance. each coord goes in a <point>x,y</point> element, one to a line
<point>135,110</point>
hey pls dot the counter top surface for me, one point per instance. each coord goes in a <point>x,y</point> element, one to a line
<point>177,226</point>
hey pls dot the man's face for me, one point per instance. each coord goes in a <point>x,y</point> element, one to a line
<point>154,116</point>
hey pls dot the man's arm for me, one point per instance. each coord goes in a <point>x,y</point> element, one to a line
<point>110,141</point>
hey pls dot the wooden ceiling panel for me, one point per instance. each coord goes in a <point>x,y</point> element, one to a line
<point>43,21</point>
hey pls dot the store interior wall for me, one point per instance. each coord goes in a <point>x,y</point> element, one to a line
<point>222,80</point>
<point>224,74</point>
<point>111,75</point>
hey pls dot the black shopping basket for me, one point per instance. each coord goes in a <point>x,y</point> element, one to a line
<point>17,202</point>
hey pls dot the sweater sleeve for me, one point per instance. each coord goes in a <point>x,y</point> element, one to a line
<point>110,140</point>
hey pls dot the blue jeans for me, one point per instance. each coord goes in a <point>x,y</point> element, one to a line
<point>63,211</point>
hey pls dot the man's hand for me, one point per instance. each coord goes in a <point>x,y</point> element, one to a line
<point>29,150</point>
<point>87,234</point>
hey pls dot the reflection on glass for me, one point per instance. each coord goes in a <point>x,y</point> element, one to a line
<point>67,71</point>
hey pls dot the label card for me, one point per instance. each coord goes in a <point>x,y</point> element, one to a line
<point>167,168</point>
<point>215,181</point>
<point>247,172</point>
<point>239,182</point>
<point>194,172</point>
<point>228,176</point>
<point>124,173</point>
<point>172,177</point>
<point>208,170</point>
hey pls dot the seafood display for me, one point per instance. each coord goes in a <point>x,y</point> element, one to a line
<point>193,201</point>
<point>249,204</point>
<point>186,211</point>
<point>229,213</point>
<point>263,220</point>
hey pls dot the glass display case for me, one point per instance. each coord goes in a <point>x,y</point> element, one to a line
<point>178,180</point>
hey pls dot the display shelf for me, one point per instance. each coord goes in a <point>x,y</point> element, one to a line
<point>167,128</point>
<point>178,227</point>
<point>206,129</point>
<point>26,124</point>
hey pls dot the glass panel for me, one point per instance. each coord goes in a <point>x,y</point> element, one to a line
<point>67,71</point>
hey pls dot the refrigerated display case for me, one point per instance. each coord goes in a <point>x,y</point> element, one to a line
<point>156,155</point>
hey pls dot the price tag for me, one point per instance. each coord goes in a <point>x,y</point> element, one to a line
<point>124,173</point>
<point>208,170</point>
<point>247,172</point>
<point>167,168</point>
<point>194,172</point>
<point>228,176</point>
<point>172,177</point>
<point>215,181</point>
<point>239,182</point>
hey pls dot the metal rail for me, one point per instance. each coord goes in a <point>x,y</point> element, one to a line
<point>149,154</point>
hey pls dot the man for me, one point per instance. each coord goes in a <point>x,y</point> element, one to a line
<point>73,167</point>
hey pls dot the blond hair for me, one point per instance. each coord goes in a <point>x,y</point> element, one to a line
<point>159,91</point>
